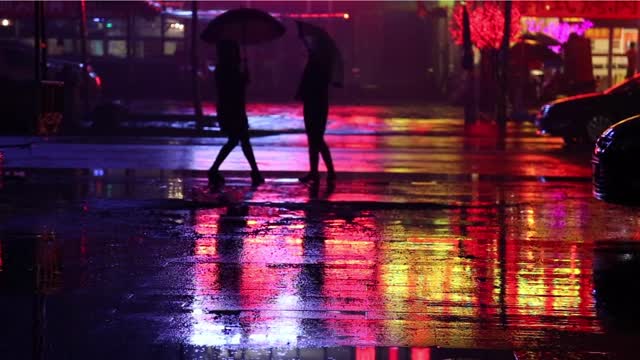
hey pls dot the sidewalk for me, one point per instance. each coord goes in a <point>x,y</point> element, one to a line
<point>163,118</point>
<point>176,118</point>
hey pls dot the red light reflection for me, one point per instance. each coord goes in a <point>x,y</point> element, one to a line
<point>420,353</point>
<point>365,353</point>
<point>383,275</point>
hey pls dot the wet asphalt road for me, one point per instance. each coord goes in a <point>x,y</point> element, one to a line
<point>117,249</point>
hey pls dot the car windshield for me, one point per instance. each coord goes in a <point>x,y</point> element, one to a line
<point>625,86</point>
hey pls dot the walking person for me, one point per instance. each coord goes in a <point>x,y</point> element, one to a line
<point>313,91</point>
<point>231,80</point>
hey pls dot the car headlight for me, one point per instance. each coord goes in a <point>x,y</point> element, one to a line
<point>545,110</point>
<point>604,141</point>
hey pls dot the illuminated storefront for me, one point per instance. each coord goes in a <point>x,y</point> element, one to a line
<point>610,25</point>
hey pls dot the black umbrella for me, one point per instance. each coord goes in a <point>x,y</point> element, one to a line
<point>246,26</point>
<point>321,41</point>
<point>524,51</point>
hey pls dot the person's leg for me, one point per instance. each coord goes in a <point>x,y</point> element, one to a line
<point>226,149</point>
<point>247,149</point>
<point>328,161</point>
<point>313,174</point>
<point>310,128</point>
<point>314,151</point>
<point>323,148</point>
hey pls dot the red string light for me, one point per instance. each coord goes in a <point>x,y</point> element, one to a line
<point>487,24</point>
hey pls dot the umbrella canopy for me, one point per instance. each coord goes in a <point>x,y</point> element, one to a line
<point>246,26</point>
<point>524,53</point>
<point>319,39</point>
<point>540,39</point>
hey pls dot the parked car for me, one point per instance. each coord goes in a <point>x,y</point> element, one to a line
<point>17,92</point>
<point>582,118</point>
<point>616,177</point>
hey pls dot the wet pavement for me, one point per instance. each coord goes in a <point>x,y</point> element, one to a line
<point>432,245</point>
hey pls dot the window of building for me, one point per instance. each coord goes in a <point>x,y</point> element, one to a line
<point>55,47</point>
<point>174,48</point>
<point>170,48</point>
<point>96,47</point>
<point>117,48</point>
<point>174,28</point>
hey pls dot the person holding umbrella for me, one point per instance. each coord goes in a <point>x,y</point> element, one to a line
<point>231,82</point>
<point>313,91</point>
<point>228,31</point>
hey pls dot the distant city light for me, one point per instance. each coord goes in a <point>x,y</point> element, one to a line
<point>5,22</point>
<point>210,14</point>
<point>109,25</point>
<point>345,16</point>
<point>177,26</point>
<point>96,20</point>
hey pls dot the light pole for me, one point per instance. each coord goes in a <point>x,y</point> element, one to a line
<point>501,113</point>
<point>84,55</point>
<point>197,103</point>
<point>467,64</point>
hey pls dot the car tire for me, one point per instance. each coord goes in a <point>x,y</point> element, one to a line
<point>596,126</point>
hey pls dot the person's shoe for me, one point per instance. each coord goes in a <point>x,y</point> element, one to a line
<point>215,179</point>
<point>310,177</point>
<point>256,179</point>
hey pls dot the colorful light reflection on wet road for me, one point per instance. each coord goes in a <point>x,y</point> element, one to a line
<point>426,240</point>
<point>462,277</point>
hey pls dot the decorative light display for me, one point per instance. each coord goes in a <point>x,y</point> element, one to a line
<point>487,24</point>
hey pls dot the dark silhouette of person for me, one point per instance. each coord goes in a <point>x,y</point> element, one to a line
<point>231,80</point>
<point>632,55</point>
<point>313,91</point>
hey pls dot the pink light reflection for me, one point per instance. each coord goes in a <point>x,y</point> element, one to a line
<point>365,353</point>
<point>420,353</point>
<point>557,30</point>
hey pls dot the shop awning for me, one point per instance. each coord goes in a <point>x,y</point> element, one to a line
<point>619,10</point>
<point>70,9</point>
